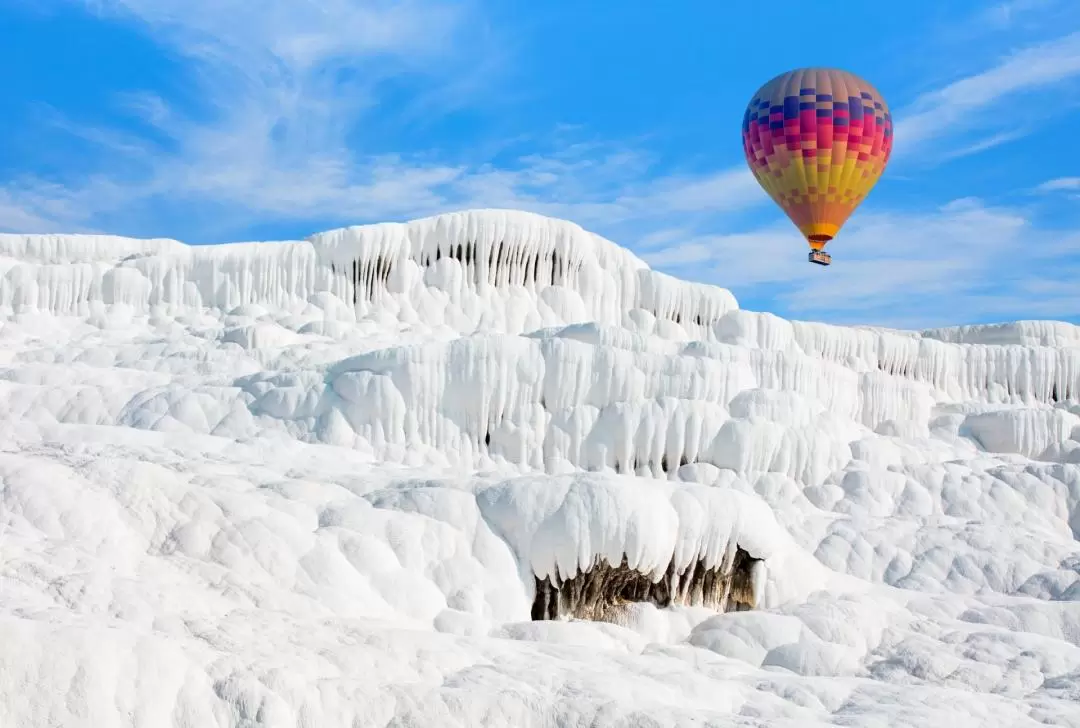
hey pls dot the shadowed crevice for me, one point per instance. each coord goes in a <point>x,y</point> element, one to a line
<point>600,592</point>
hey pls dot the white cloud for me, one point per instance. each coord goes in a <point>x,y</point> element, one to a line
<point>1062,184</point>
<point>955,108</point>
<point>281,88</point>
<point>1007,14</point>
<point>43,209</point>
<point>981,145</point>
<point>288,93</point>
<point>919,269</point>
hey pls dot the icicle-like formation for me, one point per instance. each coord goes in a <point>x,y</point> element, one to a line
<point>621,368</point>
<point>601,593</point>
<point>76,275</point>
<point>516,272</point>
<point>491,262</point>
<point>502,270</point>
<point>552,402</point>
<point>1026,432</point>
<point>1001,373</point>
<point>595,543</point>
<point>1017,333</point>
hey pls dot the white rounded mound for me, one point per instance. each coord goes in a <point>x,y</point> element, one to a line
<point>315,483</point>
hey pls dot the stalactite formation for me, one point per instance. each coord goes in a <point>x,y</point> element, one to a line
<point>501,249</point>
<point>661,468</point>
<point>1059,386</point>
<point>507,264</point>
<point>365,276</point>
<point>598,593</point>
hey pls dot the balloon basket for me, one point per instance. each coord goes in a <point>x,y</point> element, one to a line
<point>820,257</point>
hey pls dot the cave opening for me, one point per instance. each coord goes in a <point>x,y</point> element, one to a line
<point>600,593</point>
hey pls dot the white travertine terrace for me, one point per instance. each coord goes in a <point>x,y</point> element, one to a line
<point>324,482</point>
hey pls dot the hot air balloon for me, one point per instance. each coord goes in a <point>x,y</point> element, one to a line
<point>817,140</point>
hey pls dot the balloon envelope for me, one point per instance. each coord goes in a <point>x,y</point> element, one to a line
<point>817,140</point>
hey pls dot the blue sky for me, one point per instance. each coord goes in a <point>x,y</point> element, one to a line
<point>212,121</point>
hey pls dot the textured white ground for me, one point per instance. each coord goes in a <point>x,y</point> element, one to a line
<point>231,496</point>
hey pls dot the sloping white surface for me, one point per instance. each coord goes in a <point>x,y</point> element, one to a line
<point>240,486</point>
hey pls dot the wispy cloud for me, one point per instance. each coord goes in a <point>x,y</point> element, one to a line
<point>985,143</point>
<point>288,94</point>
<point>1061,184</point>
<point>896,269</point>
<point>608,188</point>
<point>957,107</point>
<point>281,90</point>
<point>39,207</point>
<point>1007,14</point>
